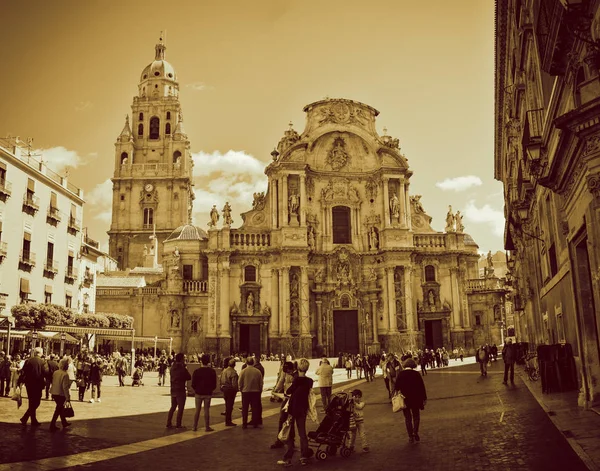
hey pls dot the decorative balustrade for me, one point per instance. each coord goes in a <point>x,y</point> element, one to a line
<point>5,188</point>
<point>484,284</point>
<point>150,290</point>
<point>30,202</point>
<point>114,291</point>
<point>430,240</point>
<point>195,286</point>
<point>126,170</point>
<point>53,214</point>
<point>249,239</point>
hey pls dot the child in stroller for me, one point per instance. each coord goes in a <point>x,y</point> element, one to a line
<point>333,431</point>
<point>138,374</point>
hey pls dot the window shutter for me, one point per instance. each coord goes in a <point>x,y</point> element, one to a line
<point>27,236</point>
<point>2,165</point>
<point>48,289</point>
<point>25,286</point>
<point>53,202</point>
<point>30,184</point>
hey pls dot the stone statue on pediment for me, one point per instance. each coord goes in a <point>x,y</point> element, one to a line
<point>227,220</point>
<point>459,224</point>
<point>450,220</point>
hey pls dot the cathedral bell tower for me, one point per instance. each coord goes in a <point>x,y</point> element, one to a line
<point>152,182</point>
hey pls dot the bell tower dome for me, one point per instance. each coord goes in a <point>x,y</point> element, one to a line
<point>152,181</point>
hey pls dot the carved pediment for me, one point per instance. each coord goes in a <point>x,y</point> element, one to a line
<point>340,190</point>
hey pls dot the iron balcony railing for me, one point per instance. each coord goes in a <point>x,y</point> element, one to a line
<point>51,266</point>
<point>27,257</point>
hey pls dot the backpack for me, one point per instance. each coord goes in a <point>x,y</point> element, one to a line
<point>481,354</point>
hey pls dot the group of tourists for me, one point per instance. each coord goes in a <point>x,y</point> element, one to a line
<point>362,364</point>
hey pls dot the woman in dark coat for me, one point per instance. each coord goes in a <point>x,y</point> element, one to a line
<point>410,383</point>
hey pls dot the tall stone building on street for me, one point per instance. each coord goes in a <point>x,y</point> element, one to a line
<point>547,155</point>
<point>336,254</point>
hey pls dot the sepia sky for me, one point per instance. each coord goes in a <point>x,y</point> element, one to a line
<point>247,68</point>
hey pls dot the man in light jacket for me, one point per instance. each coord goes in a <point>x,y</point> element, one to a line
<point>229,386</point>
<point>251,386</point>
<point>325,373</point>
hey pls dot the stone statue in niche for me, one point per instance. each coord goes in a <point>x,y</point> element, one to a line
<point>294,286</point>
<point>175,319</point>
<point>311,237</point>
<point>431,299</point>
<point>319,275</point>
<point>373,239</point>
<point>145,250</point>
<point>250,303</point>
<point>394,206</point>
<point>372,275</point>
<point>176,258</point>
<point>214,216</point>
<point>449,220</point>
<point>459,224</point>
<point>227,220</point>
<point>294,204</point>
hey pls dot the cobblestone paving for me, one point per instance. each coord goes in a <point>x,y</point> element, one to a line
<point>470,423</point>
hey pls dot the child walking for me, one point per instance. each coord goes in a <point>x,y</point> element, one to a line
<point>359,405</point>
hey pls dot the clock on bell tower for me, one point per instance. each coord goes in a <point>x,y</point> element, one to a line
<point>152,181</point>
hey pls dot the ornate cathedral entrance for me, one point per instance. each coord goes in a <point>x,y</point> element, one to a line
<point>345,331</point>
<point>434,337</point>
<point>250,338</point>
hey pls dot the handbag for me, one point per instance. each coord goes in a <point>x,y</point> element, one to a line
<point>398,402</point>
<point>284,433</point>
<point>68,410</point>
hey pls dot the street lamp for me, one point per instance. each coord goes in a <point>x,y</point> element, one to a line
<point>34,336</point>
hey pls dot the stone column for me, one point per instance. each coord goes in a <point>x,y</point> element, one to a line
<point>304,303</point>
<point>284,201</point>
<point>386,202</point>
<point>274,205</point>
<point>275,321</point>
<point>408,296</point>
<point>408,208</point>
<point>236,337</point>
<point>225,301</point>
<point>284,297</point>
<point>389,274</point>
<point>303,200</point>
<point>319,322</point>
<point>264,327</point>
<point>455,317</point>
<point>402,202</point>
<point>375,315</point>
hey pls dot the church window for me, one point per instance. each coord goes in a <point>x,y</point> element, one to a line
<point>170,75</point>
<point>122,197</point>
<point>168,115</point>
<point>477,319</point>
<point>148,217</point>
<point>145,76</point>
<point>140,129</point>
<point>175,196</point>
<point>154,127</point>
<point>188,272</point>
<point>250,273</point>
<point>341,225</point>
<point>141,117</point>
<point>194,326</point>
<point>168,129</point>
<point>176,157</point>
<point>157,73</point>
<point>124,158</point>
<point>429,273</point>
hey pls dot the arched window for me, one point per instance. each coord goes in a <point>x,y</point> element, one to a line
<point>154,127</point>
<point>168,115</point>
<point>168,129</point>
<point>429,273</point>
<point>176,157</point>
<point>140,129</point>
<point>124,158</point>
<point>148,216</point>
<point>250,273</point>
<point>342,230</point>
<point>141,117</point>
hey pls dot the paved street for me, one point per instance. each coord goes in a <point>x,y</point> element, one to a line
<point>470,423</point>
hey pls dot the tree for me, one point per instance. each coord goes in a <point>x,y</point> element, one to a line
<point>25,318</point>
<point>118,321</point>
<point>92,320</point>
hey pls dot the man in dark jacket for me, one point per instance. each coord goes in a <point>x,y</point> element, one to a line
<point>4,375</point>
<point>35,371</point>
<point>251,386</point>
<point>204,382</point>
<point>52,367</point>
<point>482,356</point>
<point>509,355</point>
<point>410,384</point>
<point>179,376</point>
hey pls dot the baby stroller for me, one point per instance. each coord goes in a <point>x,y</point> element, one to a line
<point>138,374</point>
<point>333,431</point>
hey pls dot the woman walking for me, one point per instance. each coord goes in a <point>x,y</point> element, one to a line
<point>60,393</point>
<point>410,383</point>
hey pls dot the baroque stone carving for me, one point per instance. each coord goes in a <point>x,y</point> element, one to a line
<point>289,138</point>
<point>227,220</point>
<point>342,112</point>
<point>459,224</point>
<point>310,186</point>
<point>338,157</point>
<point>259,201</point>
<point>593,183</point>
<point>371,188</point>
<point>372,219</point>
<point>214,216</point>
<point>340,190</point>
<point>592,144</point>
<point>449,220</point>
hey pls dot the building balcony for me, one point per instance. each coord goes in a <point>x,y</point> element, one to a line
<point>31,204</point>
<point>88,278</point>
<point>148,227</point>
<point>3,251</point>
<point>53,215</point>
<point>430,241</point>
<point>73,226</point>
<point>70,275</point>
<point>50,268</point>
<point>91,242</point>
<point>249,240</point>
<point>5,189</point>
<point>26,260</point>
<point>484,284</point>
<point>195,286</point>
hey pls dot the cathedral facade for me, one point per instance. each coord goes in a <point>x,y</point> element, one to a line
<point>336,255</point>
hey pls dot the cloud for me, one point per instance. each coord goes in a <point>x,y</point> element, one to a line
<point>99,201</point>
<point>233,176</point>
<point>459,183</point>
<point>59,158</point>
<point>198,86</point>
<point>485,214</point>
<point>83,105</point>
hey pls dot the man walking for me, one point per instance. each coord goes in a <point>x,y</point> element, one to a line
<point>204,382</point>
<point>482,355</point>
<point>325,374</point>
<point>179,376</point>
<point>229,386</point>
<point>52,367</point>
<point>509,355</point>
<point>251,386</point>
<point>35,371</point>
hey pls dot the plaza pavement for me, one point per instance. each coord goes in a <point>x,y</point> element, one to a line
<point>470,423</point>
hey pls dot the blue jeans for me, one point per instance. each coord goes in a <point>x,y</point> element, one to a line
<point>177,402</point>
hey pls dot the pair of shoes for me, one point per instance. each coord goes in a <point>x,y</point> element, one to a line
<point>512,382</point>
<point>366,449</point>
<point>411,439</point>
<point>91,401</point>
<point>209,429</point>
<point>504,382</point>
<point>285,463</point>
<point>223,413</point>
<point>53,428</point>
<point>66,424</point>
<point>417,438</point>
<point>277,444</point>
<point>181,426</point>
<point>23,421</point>
<point>169,426</point>
<point>230,424</point>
